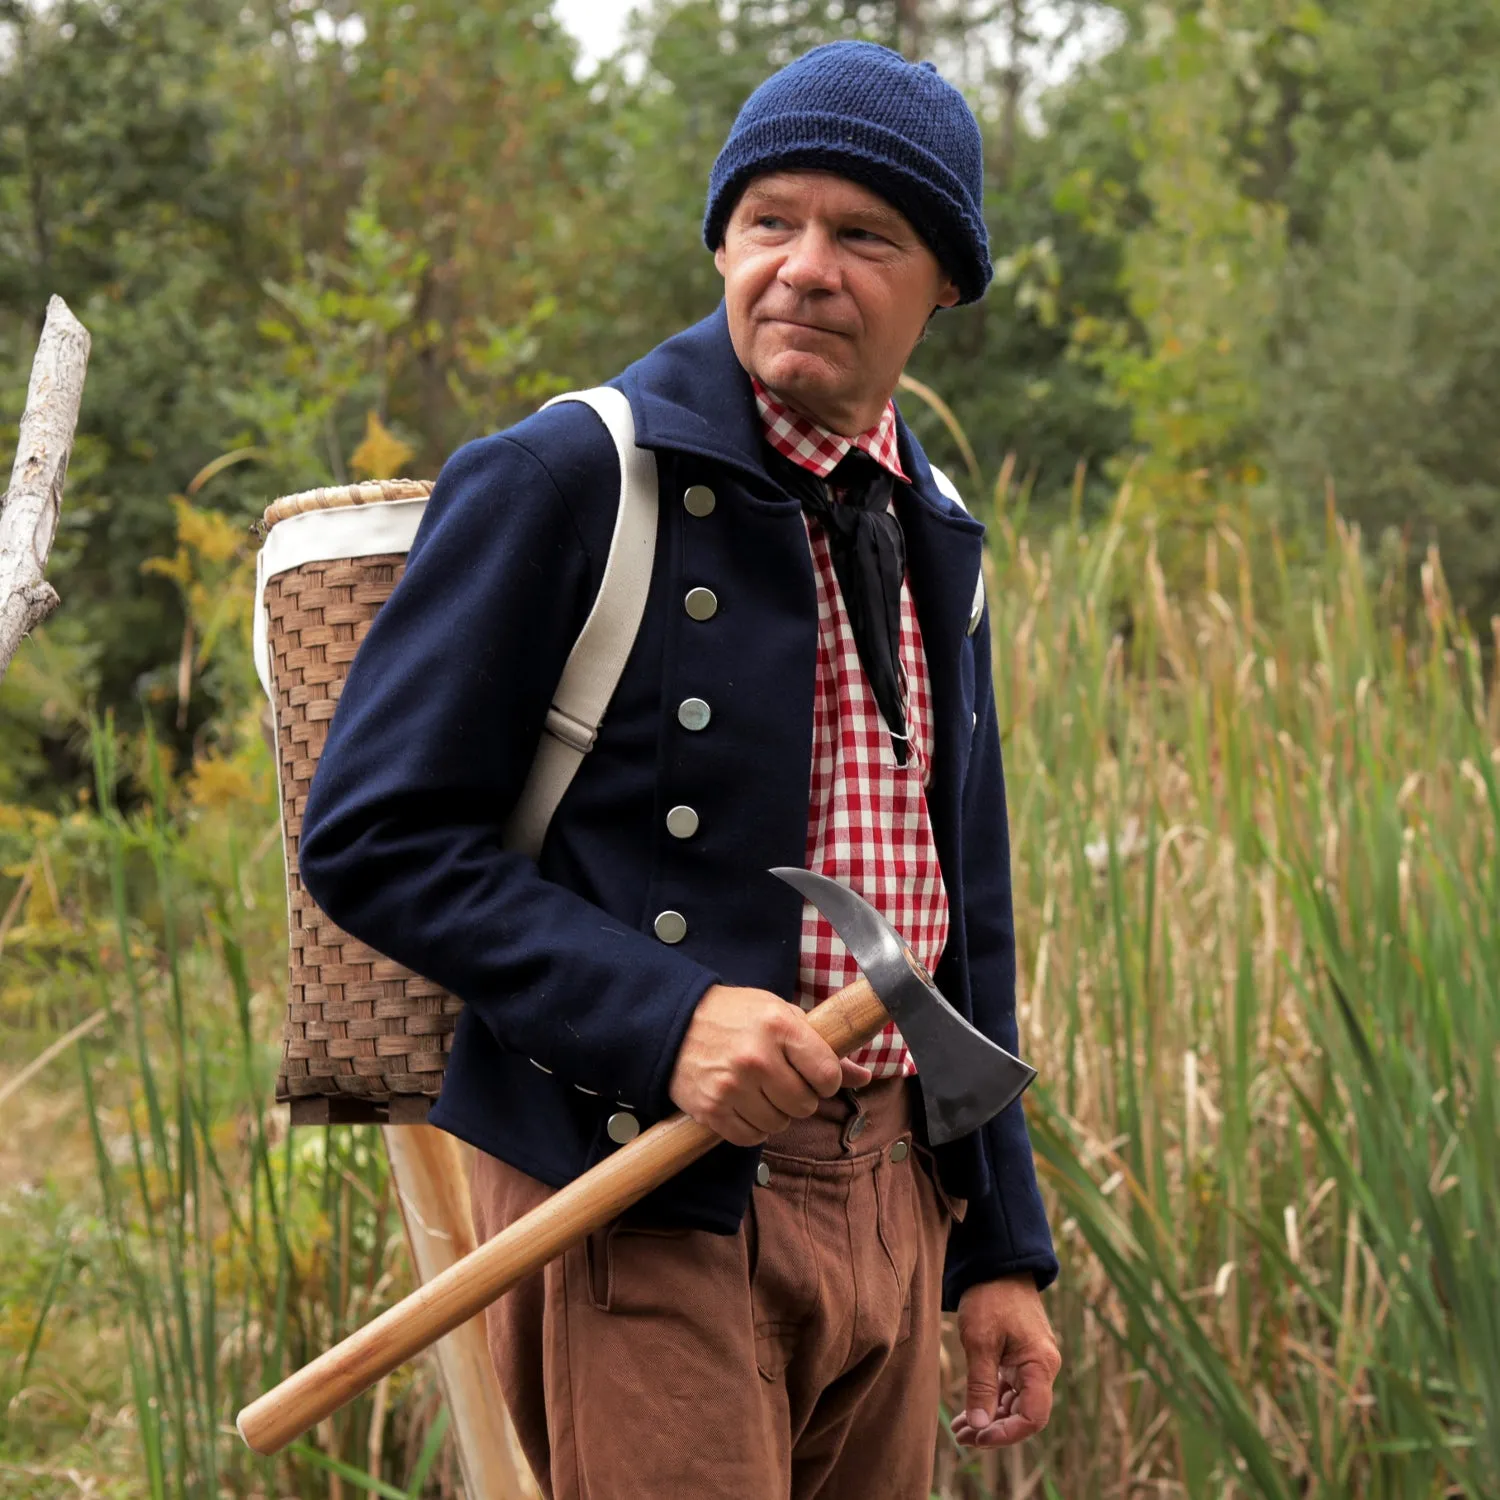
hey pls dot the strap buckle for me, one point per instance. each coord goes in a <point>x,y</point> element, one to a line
<point>574,732</point>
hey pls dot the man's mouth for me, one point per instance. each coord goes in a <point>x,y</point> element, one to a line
<point>806,327</point>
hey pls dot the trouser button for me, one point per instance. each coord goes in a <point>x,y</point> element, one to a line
<point>899,1150</point>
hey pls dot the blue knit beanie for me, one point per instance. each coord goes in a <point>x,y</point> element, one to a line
<point>867,114</point>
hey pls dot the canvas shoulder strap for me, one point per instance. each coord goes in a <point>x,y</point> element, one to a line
<point>948,488</point>
<point>598,657</point>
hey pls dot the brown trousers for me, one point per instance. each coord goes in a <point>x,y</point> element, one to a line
<point>798,1358</point>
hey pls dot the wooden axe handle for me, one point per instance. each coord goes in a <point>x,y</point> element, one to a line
<point>845,1021</point>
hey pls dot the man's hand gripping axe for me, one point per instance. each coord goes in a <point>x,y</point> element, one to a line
<point>966,1080</point>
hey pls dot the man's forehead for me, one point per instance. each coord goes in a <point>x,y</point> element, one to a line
<point>827,189</point>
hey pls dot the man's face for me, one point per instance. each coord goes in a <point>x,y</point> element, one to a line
<point>828,289</point>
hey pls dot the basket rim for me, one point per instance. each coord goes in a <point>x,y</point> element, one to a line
<point>338,496</point>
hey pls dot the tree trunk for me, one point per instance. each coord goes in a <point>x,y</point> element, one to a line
<point>910,33</point>
<point>29,512</point>
<point>1012,81</point>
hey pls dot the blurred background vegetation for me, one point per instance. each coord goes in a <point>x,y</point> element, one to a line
<point>1230,413</point>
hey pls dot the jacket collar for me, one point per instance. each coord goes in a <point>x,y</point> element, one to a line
<point>692,395</point>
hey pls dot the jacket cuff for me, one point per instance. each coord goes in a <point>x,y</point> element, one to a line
<point>980,1269</point>
<point>658,1101</point>
<point>997,1239</point>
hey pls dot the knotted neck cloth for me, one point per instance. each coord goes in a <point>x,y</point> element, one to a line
<point>852,507</point>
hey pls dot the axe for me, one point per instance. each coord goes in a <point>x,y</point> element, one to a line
<point>966,1080</point>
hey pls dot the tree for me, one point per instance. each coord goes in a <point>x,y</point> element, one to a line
<point>115,195</point>
<point>1387,375</point>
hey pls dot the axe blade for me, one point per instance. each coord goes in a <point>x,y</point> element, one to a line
<point>966,1078</point>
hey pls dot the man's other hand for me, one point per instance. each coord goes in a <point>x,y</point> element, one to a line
<point>750,1064</point>
<point>1013,1360</point>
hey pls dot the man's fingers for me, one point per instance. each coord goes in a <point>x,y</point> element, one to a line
<point>738,1129</point>
<point>761,1114</point>
<point>1021,1409</point>
<point>811,1056</point>
<point>999,1434</point>
<point>789,1092</point>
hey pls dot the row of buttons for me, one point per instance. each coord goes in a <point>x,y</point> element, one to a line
<point>692,713</point>
<point>682,821</point>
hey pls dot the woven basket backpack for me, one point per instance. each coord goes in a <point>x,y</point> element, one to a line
<point>366,1040</point>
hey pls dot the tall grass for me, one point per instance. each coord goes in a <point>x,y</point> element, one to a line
<point>1254,829</point>
<point>236,1249</point>
<point>1260,918</point>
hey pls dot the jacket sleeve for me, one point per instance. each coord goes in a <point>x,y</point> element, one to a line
<point>1005,1232</point>
<point>428,751</point>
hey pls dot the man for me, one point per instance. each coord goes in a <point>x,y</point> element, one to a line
<point>810,685</point>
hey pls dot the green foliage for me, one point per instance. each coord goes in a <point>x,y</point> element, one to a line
<point>1388,375</point>
<point>117,192</point>
<point>1010,365</point>
<point>341,331</point>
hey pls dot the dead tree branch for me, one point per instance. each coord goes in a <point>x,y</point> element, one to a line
<point>29,511</point>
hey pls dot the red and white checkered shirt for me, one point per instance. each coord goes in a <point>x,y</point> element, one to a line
<point>867,816</point>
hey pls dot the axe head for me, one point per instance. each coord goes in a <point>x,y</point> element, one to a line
<point>966,1078</point>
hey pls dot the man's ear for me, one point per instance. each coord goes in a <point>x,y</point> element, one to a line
<point>719,258</point>
<point>949,294</point>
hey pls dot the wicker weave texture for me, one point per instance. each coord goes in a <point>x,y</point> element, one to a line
<point>358,1025</point>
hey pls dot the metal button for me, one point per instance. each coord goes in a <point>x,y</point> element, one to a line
<point>899,1150</point>
<point>699,500</point>
<point>694,713</point>
<point>762,1174</point>
<point>622,1126</point>
<point>682,822</point>
<point>670,926</point>
<point>701,604</point>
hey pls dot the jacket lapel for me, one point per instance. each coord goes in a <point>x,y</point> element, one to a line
<point>691,395</point>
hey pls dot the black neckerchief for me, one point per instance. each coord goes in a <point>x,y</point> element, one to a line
<point>852,506</point>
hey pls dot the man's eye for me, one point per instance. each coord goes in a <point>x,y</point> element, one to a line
<point>866,236</point>
<point>770,221</point>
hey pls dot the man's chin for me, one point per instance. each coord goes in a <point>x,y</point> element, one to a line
<point>800,376</point>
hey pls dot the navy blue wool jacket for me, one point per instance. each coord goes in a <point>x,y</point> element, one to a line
<point>573,1007</point>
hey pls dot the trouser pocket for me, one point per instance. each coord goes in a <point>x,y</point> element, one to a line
<point>638,1272</point>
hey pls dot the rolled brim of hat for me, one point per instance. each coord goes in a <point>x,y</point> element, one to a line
<point>912,179</point>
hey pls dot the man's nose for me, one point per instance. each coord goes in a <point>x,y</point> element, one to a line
<point>812,262</point>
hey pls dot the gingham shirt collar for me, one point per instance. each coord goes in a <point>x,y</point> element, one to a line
<point>814,447</point>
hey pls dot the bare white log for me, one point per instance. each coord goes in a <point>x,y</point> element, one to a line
<point>29,512</point>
